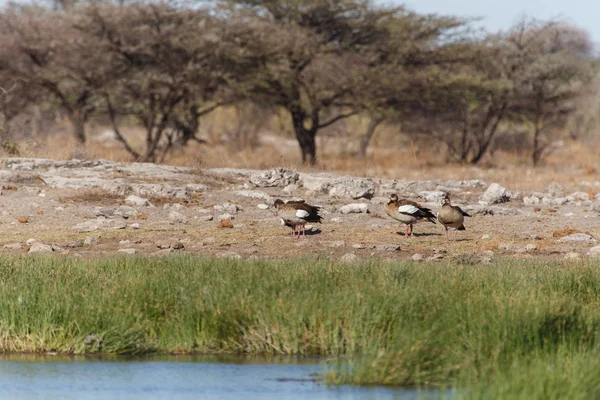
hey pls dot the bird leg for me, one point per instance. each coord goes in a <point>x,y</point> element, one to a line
<point>447,238</point>
<point>406,232</point>
<point>299,229</point>
<point>411,231</point>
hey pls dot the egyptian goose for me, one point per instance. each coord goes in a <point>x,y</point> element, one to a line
<point>407,212</point>
<point>451,216</point>
<point>296,214</point>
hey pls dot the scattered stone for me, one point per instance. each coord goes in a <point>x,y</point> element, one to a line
<point>432,196</point>
<point>135,226</point>
<point>486,237</point>
<point>169,244</point>
<point>128,251</point>
<point>579,196</point>
<point>290,189</point>
<point>13,246</point>
<point>274,177</point>
<point>263,206</point>
<point>59,208</point>
<point>358,246</point>
<point>163,252</point>
<point>336,219</point>
<point>417,257</point>
<point>206,218</point>
<point>225,216</point>
<point>228,208</point>
<point>30,241</point>
<point>572,255</point>
<point>387,247</point>
<point>353,188</point>
<point>38,247</point>
<point>355,208</point>
<point>494,194</point>
<point>91,240</point>
<point>349,257</point>
<point>578,237</point>
<point>137,201</point>
<point>531,247</point>
<point>119,225</point>
<point>436,257</point>
<point>555,189</point>
<point>177,217</point>
<point>336,244</point>
<point>516,248</point>
<point>123,242</point>
<point>530,201</point>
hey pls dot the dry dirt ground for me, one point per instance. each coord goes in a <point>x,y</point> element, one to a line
<point>80,208</point>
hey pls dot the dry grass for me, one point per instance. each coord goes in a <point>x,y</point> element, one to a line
<point>392,155</point>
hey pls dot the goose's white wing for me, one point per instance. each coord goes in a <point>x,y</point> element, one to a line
<point>302,213</point>
<point>408,209</point>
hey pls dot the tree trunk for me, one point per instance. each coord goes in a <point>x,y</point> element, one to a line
<point>78,120</point>
<point>366,140</point>
<point>306,137</point>
<point>538,149</point>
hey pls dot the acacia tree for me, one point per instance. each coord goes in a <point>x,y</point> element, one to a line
<point>174,65</point>
<point>41,49</point>
<point>556,68</point>
<point>316,58</point>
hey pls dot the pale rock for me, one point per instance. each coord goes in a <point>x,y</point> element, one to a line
<point>352,188</point>
<point>594,251</point>
<point>555,189</point>
<point>579,196</point>
<point>38,247</point>
<point>336,244</point>
<point>355,208</point>
<point>358,246</point>
<point>349,257</point>
<point>387,247</point>
<point>137,201</point>
<point>432,196</point>
<point>91,240</point>
<point>494,194</point>
<point>59,208</point>
<point>177,217</point>
<point>486,237</point>
<point>336,219</point>
<point>206,218</point>
<point>274,177</point>
<point>263,206</point>
<point>13,246</point>
<point>436,257</point>
<point>196,187</point>
<point>224,217</point>
<point>124,242</point>
<point>531,247</point>
<point>129,251</point>
<point>30,241</point>
<point>290,189</point>
<point>255,194</point>
<point>578,237</point>
<point>135,226</point>
<point>530,201</point>
<point>417,257</point>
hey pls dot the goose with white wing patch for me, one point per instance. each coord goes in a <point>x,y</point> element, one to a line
<point>407,212</point>
<point>296,214</point>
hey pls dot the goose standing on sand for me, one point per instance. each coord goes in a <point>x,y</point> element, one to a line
<point>296,214</point>
<point>407,212</point>
<point>451,216</point>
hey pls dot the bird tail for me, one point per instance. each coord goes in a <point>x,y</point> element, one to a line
<point>428,215</point>
<point>462,228</point>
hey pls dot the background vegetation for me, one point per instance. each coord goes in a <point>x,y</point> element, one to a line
<point>312,65</point>
<point>506,330</point>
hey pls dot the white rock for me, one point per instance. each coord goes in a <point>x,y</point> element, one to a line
<point>494,194</point>
<point>135,226</point>
<point>128,251</point>
<point>30,241</point>
<point>177,217</point>
<point>356,208</point>
<point>349,257</point>
<point>387,247</point>
<point>38,247</point>
<point>417,257</point>
<point>486,237</point>
<point>290,189</point>
<point>224,217</point>
<point>274,177</point>
<point>59,208</point>
<point>555,189</point>
<point>582,196</point>
<point>137,201</point>
<point>432,196</point>
<point>336,219</point>
<point>531,247</point>
<point>352,188</point>
<point>594,251</point>
<point>206,218</point>
<point>263,206</point>
<point>255,194</point>
<point>530,201</point>
<point>578,237</point>
<point>122,242</point>
<point>336,244</point>
<point>358,246</point>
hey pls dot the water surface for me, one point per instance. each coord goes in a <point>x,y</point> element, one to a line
<point>173,377</point>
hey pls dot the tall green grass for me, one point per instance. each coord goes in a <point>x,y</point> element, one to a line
<point>507,330</point>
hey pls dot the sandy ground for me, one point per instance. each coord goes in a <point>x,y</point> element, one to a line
<point>33,209</point>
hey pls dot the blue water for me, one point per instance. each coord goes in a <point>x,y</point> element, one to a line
<point>151,378</point>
